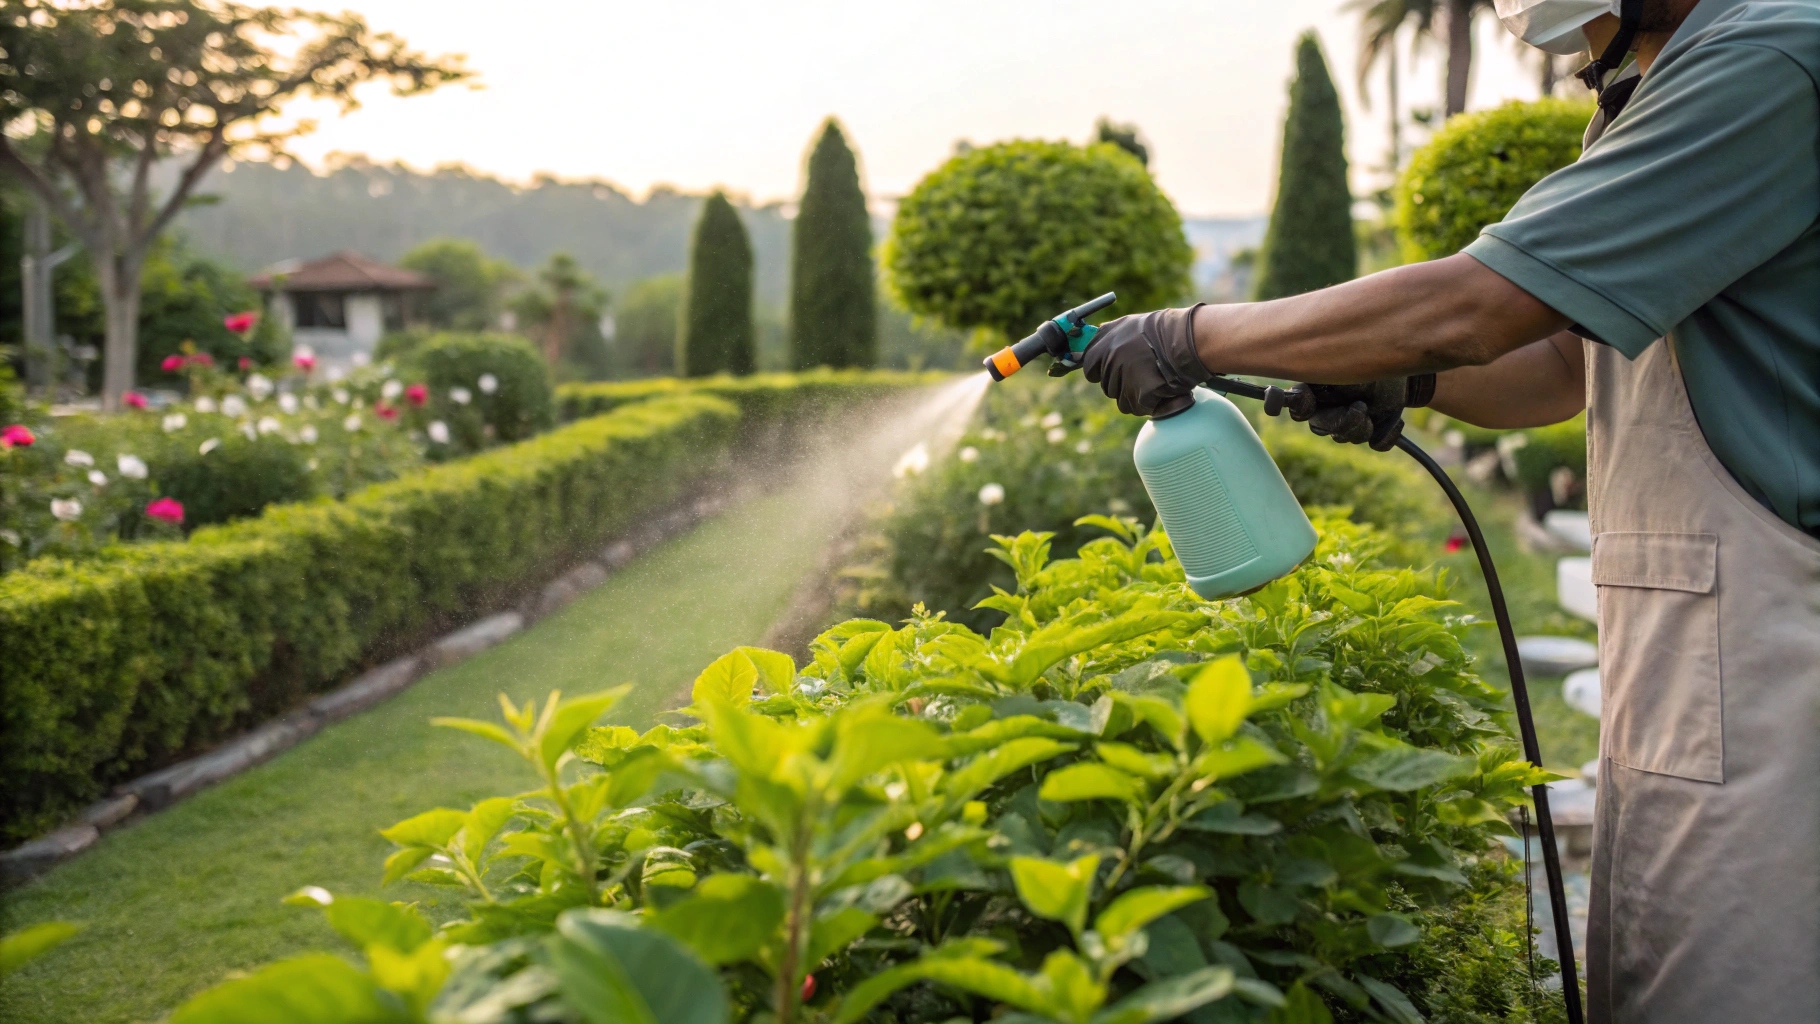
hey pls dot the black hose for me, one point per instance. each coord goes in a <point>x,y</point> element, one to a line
<point>1526,726</point>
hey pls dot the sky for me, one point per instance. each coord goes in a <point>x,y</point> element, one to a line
<point>703,93</point>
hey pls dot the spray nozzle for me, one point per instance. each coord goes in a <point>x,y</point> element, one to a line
<point>1064,338</point>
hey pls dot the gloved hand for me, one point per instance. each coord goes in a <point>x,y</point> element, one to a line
<point>1360,413</point>
<point>1147,362</point>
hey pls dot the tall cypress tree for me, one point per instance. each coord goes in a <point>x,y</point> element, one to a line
<point>1310,244</point>
<point>717,335</point>
<point>833,309</point>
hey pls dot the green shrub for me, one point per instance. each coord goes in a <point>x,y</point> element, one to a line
<point>833,306</point>
<point>644,339</point>
<point>1007,236</point>
<point>1124,805</point>
<point>762,397</point>
<point>717,330</point>
<point>519,403</point>
<point>235,480</point>
<point>470,285</point>
<point>1309,244</point>
<point>1477,167</point>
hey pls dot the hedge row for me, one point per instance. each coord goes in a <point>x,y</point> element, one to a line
<point>120,663</point>
<point>764,396</point>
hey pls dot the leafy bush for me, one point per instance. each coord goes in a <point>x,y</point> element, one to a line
<point>1477,167</point>
<point>763,397</point>
<point>486,387</point>
<point>237,479</point>
<point>1007,236</point>
<point>1124,806</point>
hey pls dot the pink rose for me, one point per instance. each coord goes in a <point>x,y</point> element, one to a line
<point>133,400</point>
<point>240,323</point>
<point>171,364</point>
<point>246,363</point>
<point>167,510</point>
<point>203,359</point>
<point>17,435</point>
<point>386,412</point>
<point>303,361</point>
<point>417,394</point>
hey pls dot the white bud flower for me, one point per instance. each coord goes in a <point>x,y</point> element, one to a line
<point>969,454</point>
<point>268,425</point>
<point>287,404</point>
<point>78,457</point>
<point>1083,446</point>
<point>340,395</point>
<point>233,405</point>
<point>439,432</point>
<point>1056,435</point>
<point>1052,420</point>
<point>460,396</point>
<point>131,466</point>
<point>66,509</point>
<point>914,461</point>
<point>260,387</point>
<point>992,494</point>
<point>362,358</point>
<point>98,478</point>
<point>308,434</point>
<point>391,389</point>
<point>488,383</point>
<point>205,404</point>
<point>208,446</point>
<point>247,431</point>
<point>351,424</point>
<point>175,421</point>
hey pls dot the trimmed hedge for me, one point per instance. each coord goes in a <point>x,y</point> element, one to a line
<point>121,663</point>
<point>763,396</point>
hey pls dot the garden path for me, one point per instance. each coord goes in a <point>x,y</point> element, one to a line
<point>175,902</point>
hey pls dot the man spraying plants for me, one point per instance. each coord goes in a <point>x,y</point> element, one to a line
<point>1665,284</point>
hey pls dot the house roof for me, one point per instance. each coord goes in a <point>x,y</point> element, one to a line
<point>344,271</point>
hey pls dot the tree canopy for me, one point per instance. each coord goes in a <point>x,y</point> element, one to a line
<point>833,303</point>
<point>1310,243</point>
<point>470,285</point>
<point>717,334</point>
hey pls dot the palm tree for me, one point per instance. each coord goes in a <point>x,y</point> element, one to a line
<point>1381,20</point>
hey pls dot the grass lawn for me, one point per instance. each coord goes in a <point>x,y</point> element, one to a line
<point>178,900</point>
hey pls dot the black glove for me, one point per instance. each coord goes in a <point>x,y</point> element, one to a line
<point>1147,362</point>
<point>1360,413</point>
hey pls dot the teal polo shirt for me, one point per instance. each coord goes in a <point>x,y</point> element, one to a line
<point>1693,217</point>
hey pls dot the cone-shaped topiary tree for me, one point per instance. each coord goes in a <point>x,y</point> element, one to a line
<point>717,335</point>
<point>1310,244</point>
<point>833,305</point>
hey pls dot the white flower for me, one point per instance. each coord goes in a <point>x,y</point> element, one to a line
<point>439,432</point>
<point>488,383</point>
<point>340,395</point>
<point>1118,506</point>
<point>1052,420</point>
<point>308,434</point>
<point>247,431</point>
<point>205,404</point>
<point>268,425</point>
<point>362,358</point>
<point>1056,435</point>
<point>351,424</point>
<point>969,454</point>
<point>233,405</point>
<point>287,404</point>
<point>259,386</point>
<point>337,372</point>
<point>12,537</point>
<point>913,461</point>
<point>98,478</point>
<point>1083,446</point>
<point>992,434</point>
<point>460,396</point>
<point>66,509</point>
<point>131,466</point>
<point>78,457</point>
<point>992,494</point>
<point>208,446</point>
<point>391,389</point>
<point>175,421</point>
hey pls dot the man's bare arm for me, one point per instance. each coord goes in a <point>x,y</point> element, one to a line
<point>1541,383</point>
<point>1425,317</point>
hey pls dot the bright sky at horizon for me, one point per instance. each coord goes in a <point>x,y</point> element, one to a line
<point>700,93</point>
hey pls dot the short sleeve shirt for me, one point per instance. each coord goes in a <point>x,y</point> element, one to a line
<point>1693,216</point>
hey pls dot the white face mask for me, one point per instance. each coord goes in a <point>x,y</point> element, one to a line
<point>1552,25</point>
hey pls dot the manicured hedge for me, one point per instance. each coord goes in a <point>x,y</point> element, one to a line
<point>763,396</point>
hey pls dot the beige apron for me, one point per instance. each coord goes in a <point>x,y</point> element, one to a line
<point>1706,852</point>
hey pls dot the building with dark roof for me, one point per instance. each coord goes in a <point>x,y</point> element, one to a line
<point>341,304</point>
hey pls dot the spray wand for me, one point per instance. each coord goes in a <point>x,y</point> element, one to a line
<point>1197,459</point>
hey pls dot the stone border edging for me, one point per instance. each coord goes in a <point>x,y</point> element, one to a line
<point>154,792</point>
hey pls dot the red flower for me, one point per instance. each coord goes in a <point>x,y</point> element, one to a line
<point>17,434</point>
<point>386,412</point>
<point>172,364</point>
<point>808,987</point>
<point>203,359</point>
<point>133,400</point>
<point>167,510</point>
<point>417,394</point>
<point>240,323</point>
<point>1455,543</point>
<point>246,363</point>
<point>304,361</point>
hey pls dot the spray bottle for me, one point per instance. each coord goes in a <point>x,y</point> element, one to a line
<point>1236,526</point>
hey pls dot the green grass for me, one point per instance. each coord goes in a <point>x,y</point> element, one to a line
<point>177,901</point>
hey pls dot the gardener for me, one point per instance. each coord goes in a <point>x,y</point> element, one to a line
<point>1669,283</point>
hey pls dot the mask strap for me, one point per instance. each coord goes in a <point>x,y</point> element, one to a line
<point>1630,18</point>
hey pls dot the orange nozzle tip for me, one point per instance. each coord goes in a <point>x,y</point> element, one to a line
<point>1003,363</point>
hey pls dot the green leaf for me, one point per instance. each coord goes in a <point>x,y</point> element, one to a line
<point>485,819</point>
<point>726,919</point>
<point>32,942</point>
<point>1392,930</point>
<point>1403,767</point>
<point>614,972</point>
<point>1218,699</point>
<point>316,988</point>
<point>369,922</point>
<point>966,782</point>
<point>1227,818</point>
<point>867,741</point>
<point>417,975</point>
<point>1392,999</point>
<point>834,932</point>
<point>981,977</point>
<point>485,730</point>
<point>1138,907</point>
<point>728,680</point>
<point>1169,998</point>
<point>1059,892</point>
<point>1074,990</point>
<point>1127,758</point>
<point>776,670</point>
<point>572,717</point>
<point>403,862</point>
<point>1236,757</point>
<point>1161,715</point>
<point>1090,780</point>
<point>1301,1005</point>
<point>433,828</point>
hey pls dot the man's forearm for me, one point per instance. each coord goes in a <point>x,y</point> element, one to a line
<point>1538,384</point>
<point>1415,319</point>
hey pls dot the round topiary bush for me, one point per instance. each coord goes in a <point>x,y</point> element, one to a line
<point>488,388</point>
<point>1477,167</point>
<point>1007,236</point>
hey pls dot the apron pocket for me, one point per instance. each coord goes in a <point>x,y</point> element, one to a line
<point>1659,652</point>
